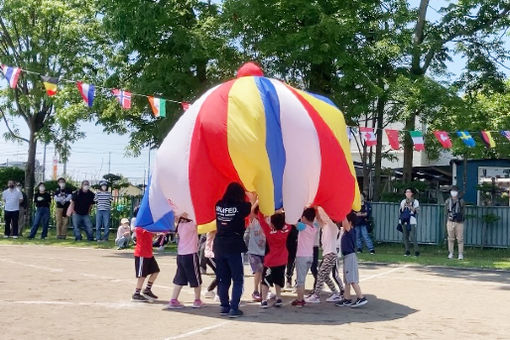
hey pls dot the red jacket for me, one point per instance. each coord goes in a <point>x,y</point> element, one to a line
<point>143,246</point>
<point>276,241</point>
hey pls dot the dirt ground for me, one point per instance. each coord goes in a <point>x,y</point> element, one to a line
<point>83,293</point>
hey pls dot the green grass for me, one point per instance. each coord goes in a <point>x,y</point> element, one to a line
<point>431,255</point>
<point>385,252</point>
<point>69,241</point>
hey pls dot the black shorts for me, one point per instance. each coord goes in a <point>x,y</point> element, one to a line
<point>145,266</point>
<point>274,276</point>
<point>188,271</point>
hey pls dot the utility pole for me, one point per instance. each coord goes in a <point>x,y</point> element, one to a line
<point>44,163</point>
<point>149,167</point>
<point>109,161</point>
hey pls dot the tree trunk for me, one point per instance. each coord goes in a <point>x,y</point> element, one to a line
<point>378,149</point>
<point>408,149</point>
<point>30,173</point>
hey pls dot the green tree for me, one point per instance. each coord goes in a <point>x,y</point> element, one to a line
<point>57,38</point>
<point>469,28</point>
<point>173,49</point>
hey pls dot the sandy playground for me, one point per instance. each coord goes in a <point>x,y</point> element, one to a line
<point>51,292</point>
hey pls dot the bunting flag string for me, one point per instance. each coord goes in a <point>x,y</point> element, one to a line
<point>158,106</point>
<point>87,91</point>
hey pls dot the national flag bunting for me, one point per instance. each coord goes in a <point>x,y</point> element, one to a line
<point>87,92</point>
<point>185,106</point>
<point>158,106</point>
<point>466,138</point>
<point>368,136</point>
<point>50,84</point>
<point>417,137</point>
<point>444,139</point>
<point>487,139</point>
<point>11,74</point>
<point>393,138</point>
<point>506,134</point>
<point>123,97</point>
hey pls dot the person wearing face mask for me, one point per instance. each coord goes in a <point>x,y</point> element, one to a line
<point>103,200</point>
<point>12,198</point>
<point>454,207</point>
<point>62,198</point>
<point>81,204</point>
<point>409,209</point>
<point>42,201</point>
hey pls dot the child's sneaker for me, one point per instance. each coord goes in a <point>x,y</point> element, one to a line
<point>148,293</point>
<point>197,304</point>
<point>256,297</point>
<point>298,303</point>
<point>174,304</point>
<point>461,256</point>
<point>209,294</point>
<point>450,256</point>
<point>270,295</point>
<point>264,305</point>
<point>359,302</point>
<point>344,303</point>
<point>137,297</point>
<point>313,299</point>
<point>334,298</point>
<point>278,303</point>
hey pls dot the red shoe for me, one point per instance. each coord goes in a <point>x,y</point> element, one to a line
<point>298,303</point>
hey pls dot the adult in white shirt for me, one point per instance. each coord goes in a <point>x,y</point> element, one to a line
<point>409,209</point>
<point>12,198</point>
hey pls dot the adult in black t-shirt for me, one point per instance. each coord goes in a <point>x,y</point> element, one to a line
<point>81,203</point>
<point>229,245</point>
<point>42,201</point>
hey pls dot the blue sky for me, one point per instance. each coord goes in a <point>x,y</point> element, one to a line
<point>89,156</point>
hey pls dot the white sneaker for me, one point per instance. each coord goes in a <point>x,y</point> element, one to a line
<point>271,296</point>
<point>6,236</point>
<point>15,237</point>
<point>162,248</point>
<point>216,298</point>
<point>334,298</point>
<point>209,294</point>
<point>313,299</point>
<point>461,256</point>
<point>450,256</point>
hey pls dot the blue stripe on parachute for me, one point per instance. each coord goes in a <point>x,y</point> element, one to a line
<point>274,138</point>
<point>145,220</point>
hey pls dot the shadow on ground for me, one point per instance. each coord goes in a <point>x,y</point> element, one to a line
<point>318,314</point>
<point>493,276</point>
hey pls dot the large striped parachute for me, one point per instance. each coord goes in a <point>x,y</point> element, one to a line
<point>287,145</point>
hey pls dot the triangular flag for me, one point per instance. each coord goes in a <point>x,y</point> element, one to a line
<point>185,106</point>
<point>417,137</point>
<point>87,92</point>
<point>123,97</point>
<point>368,136</point>
<point>506,134</point>
<point>443,138</point>
<point>393,138</point>
<point>11,74</point>
<point>487,139</point>
<point>466,138</point>
<point>158,106</point>
<point>50,84</point>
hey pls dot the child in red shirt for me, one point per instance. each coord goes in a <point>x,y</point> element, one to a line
<point>145,265</point>
<point>275,260</point>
